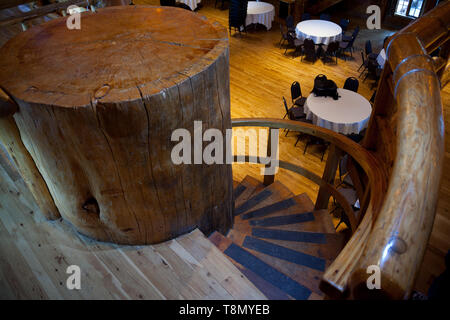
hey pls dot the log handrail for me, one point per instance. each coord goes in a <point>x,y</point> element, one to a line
<point>400,234</point>
<point>394,231</point>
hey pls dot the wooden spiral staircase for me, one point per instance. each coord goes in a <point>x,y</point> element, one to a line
<point>278,241</point>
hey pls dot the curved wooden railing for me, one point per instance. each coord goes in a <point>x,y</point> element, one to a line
<point>403,173</point>
<point>336,276</point>
<point>410,82</point>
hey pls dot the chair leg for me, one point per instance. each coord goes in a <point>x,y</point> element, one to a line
<point>286,133</point>
<point>306,147</point>
<point>298,139</point>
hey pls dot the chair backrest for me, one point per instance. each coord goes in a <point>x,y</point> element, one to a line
<point>306,16</point>
<point>344,24</point>
<point>170,3</point>
<point>290,22</point>
<point>368,47</point>
<point>286,107</point>
<point>351,84</point>
<point>296,91</point>
<point>332,47</point>
<point>324,16</point>
<point>236,17</point>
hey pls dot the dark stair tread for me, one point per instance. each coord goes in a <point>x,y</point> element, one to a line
<point>327,251</point>
<point>267,288</point>
<point>251,186</point>
<point>316,221</point>
<point>297,204</point>
<point>305,276</point>
<point>275,192</point>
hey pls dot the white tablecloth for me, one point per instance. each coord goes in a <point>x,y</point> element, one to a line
<point>191,3</point>
<point>381,58</point>
<point>349,114</point>
<point>320,31</point>
<point>260,12</point>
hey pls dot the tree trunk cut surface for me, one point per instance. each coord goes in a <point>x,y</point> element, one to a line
<point>96,110</point>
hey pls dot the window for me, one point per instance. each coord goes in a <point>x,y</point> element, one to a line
<point>409,8</point>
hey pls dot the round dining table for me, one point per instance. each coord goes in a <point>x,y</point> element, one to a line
<point>349,114</point>
<point>260,12</point>
<point>320,31</point>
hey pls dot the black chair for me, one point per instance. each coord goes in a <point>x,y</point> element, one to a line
<point>346,46</point>
<point>293,43</point>
<point>296,94</point>
<point>312,140</point>
<point>351,84</point>
<point>331,53</point>
<point>351,37</point>
<point>290,23</point>
<point>344,24</point>
<point>237,15</point>
<point>309,50</point>
<point>373,70</point>
<point>284,36</point>
<point>325,16</point>
<point>293,113</point>
<point>302,135</point>
<point>221,7</point>
<point>167,3</point>
<point>305,16</point>
<point>363,64</point>
<point>368,49</point>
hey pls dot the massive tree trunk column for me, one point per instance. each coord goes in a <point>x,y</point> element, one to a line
<point>96,110</point>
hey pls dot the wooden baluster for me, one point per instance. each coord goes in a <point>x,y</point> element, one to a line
<point>328,176</point>
<point>269,179</point>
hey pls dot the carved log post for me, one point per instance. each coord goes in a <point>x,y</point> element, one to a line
<point>10,138</point>
<point>97,109</point>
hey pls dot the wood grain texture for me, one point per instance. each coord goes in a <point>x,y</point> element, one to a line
<point>400,234</point>
<point>99,129</point>
<point>36,252</point>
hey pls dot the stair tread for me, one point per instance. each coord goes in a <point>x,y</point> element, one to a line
<point>302,275</point>
<point>268,289</point>
<point>251,186</point>
<point>275,192</point>
<point>327,251</point>
<point>315,221</point>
